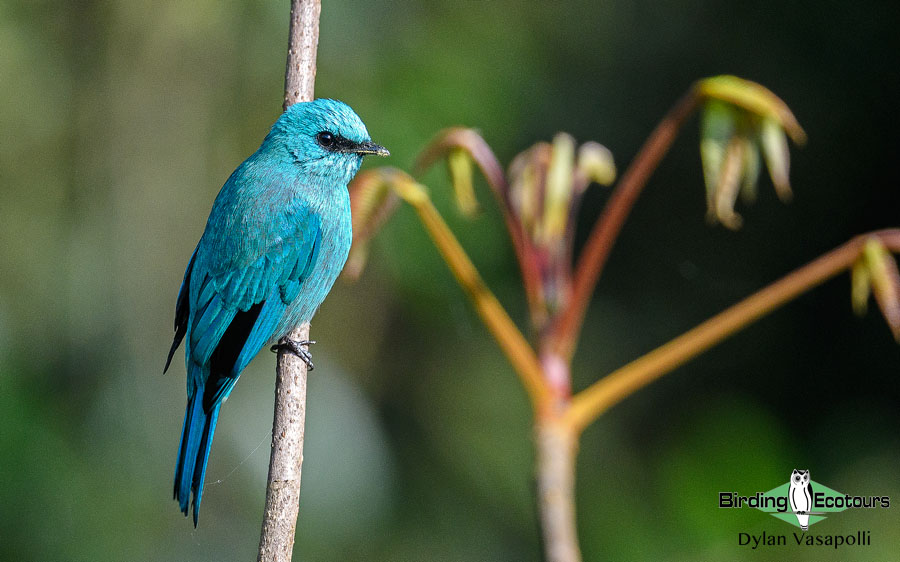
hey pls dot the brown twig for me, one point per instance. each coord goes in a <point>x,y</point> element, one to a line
<point>587,405</point>
<point>303,41</point>
<point>609,224</point>
<point>276,541</point>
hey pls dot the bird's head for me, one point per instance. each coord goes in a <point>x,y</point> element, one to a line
<point>325,138</point>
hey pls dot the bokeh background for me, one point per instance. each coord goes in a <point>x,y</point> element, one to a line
<point>120,120</point>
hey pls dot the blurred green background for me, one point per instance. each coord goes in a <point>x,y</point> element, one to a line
<point>120,120</point>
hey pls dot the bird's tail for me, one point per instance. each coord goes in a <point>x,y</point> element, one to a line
<point>193,453</point>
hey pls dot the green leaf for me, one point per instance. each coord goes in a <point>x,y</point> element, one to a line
<point>752,164</point>
<point>717,126</point>
<point>558,193</point>
<point>595,162</point>
<point>459,164</point>
<point>754,98</point>
<point>778,157</point>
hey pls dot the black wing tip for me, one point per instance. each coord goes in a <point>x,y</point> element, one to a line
<point>185,506</point>
<point>179,336</point>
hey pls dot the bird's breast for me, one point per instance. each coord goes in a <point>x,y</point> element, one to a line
<point>335,238</point>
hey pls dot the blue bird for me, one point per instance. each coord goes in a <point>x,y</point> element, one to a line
<point>275,241</point>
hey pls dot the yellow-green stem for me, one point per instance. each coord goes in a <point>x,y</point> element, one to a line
<point>587,405</point>
<point>509,338</point>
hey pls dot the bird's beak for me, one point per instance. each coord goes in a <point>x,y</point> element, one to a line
<point>370,147</point>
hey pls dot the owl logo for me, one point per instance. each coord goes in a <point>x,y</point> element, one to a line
<point>800,495</point>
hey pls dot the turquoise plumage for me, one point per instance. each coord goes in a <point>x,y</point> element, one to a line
<point>275,241</point>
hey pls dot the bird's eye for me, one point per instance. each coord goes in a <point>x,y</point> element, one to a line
<point>325,139</point>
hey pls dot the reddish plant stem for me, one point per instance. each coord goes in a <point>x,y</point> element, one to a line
<point>564,331</point>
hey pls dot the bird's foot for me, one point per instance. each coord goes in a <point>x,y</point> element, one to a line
<point>297,348</point>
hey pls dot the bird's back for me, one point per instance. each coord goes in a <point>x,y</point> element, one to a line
<point>267,207</point>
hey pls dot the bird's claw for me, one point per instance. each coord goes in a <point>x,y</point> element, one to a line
<point>296,347</point>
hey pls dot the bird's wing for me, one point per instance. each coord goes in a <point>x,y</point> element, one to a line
<point>236,310</point>
<point>182,311</point>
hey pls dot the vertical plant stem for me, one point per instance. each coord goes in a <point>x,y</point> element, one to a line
<point>557,445</point>
<point>303,42</point>
<point>276,540</point>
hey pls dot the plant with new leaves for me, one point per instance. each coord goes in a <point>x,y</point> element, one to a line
<point>743,125</point>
